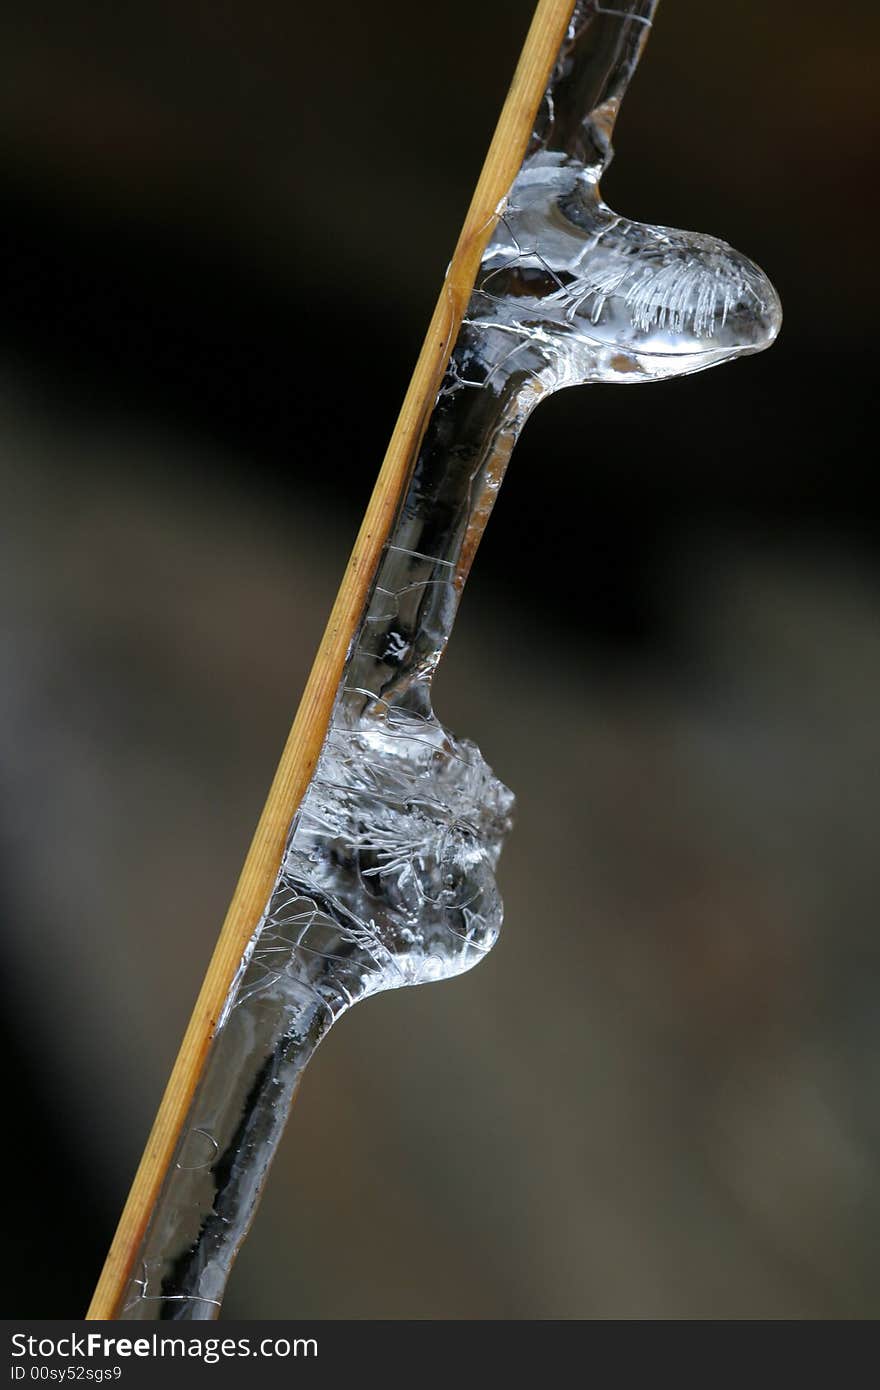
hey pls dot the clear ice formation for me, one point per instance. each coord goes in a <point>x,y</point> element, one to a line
<point>388,876</point>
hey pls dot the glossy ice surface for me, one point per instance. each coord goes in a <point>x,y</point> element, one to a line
<point>388,877</point>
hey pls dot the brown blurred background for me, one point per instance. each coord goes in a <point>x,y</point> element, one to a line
<point>224,226</point>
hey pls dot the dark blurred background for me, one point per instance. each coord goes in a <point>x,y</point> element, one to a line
<point>224,228</point>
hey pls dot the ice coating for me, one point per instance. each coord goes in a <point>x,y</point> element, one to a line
<point>388,877</point>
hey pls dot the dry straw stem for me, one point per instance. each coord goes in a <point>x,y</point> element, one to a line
<point>303,746</point>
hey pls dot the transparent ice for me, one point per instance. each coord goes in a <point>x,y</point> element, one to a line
<point>389,873</point>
